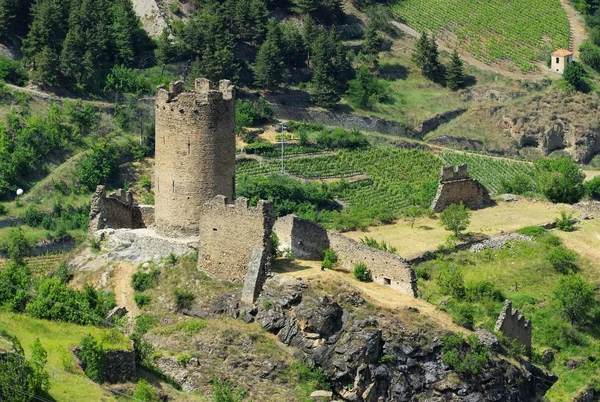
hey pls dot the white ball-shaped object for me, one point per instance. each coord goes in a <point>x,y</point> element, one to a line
<point>20,191</point>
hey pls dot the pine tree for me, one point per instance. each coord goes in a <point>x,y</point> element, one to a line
<point>164,48</point>
<point>373,40</point>
<point>259,15</point>
<point>46,67</point>
<point>325,87</point>
<point>455,73</point>
<point>426,57</point>
<point>293,49</point>
<point>126,32</point>
<point>269,68</point>
<point>305,7</point>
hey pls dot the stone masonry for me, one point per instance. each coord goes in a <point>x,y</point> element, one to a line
<point>234,237</point>
<point>457,186</point>
<point>118,210</point>
<point>195,152</point>
<point>309,240</point>
<point>306,239</point>
<point>514,326</point>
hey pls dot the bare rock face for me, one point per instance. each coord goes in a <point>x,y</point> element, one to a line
<point>369,360</point>
<point>555,121</point>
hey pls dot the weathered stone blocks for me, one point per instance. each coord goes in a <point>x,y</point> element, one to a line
<point>456,186</point>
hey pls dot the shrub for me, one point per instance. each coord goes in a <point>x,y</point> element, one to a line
<point>575,75</point>
<point>141,281</point>
<point>145,392</point>
<point>146,182</point>
<point>562,259</point>
<point>339,138</point>
<point>533,231</point>
<point>564,222</point>
<point>248,113</point>
<point>451,282</point>
<point>63,273</point>
<point>366,90</point>
<point>590,55</point>
<point>481,291</point>
<point>463,314</point>
<point>560,179</point>
<point>3,209</point>
<point>468,357</point>
<point>224,391</point>
<point>12,71</point>
<point>92,355</point>
<point>575,297</point>
<point>99,167</point>
<point>423,272</point>
<point>15,281</point>
<point>362,273</point>
<point>274,245</point>
<point>259,147</point>
<point>592,188</point>
<point>183,360</point>
<point>383,246</point>
<point>519,184</point>
<point>183,299</point>
<point>141,300</point>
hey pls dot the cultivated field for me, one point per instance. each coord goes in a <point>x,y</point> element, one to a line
<point>521,33</point>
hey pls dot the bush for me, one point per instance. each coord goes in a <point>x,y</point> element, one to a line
<point>575,75</point>
<point>366,90</point>
<point>482,291</point>
<point>12,71</point>
<point>519,184</point>
<point>248,113</point>
<point>92,355</point>
<point>463,314</point>
<point>339,138</point>
<point>590,55</point>
<point>63,273</point>
<point>141,300</point>
<point>560,179</point>
<point>224,391</point>
<point>455,218</point>
<point>3,209</point>
<point>575,297</point>
<point>468,357</point>
<point>145,392</point>
<point>183,299</point>
<point>362,273</point>
<point>533,231</point>
<point>141,281</point>
<point>15,281</point>
<point>451,282</point>
<point>259,147</point>
<point>99,167</point>
<point>562,259</point>
<point>423,272</point>
<point>274,245</point>
<point>383,246</point>
<point>564,222</point>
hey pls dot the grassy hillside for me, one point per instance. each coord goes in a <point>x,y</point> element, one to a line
<point>521,33</point>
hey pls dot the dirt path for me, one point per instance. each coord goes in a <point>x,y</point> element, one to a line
<point>379,294</point>
<point>36,93</point>
<point>577,27</point>
<point>121,281</point>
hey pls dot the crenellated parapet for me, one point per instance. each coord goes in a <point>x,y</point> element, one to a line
<point>456,186</point>
<point>514,325</point>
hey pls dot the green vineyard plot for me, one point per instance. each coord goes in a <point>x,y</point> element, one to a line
<point>521,32</point>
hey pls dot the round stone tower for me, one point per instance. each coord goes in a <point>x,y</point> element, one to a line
<point>195,152</point>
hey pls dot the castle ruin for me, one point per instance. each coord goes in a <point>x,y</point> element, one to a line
<point>514,326</point>
<point>118,210</point>
<point>195,152</point>
<point>456,186</point>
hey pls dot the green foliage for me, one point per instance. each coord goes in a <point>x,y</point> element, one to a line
<point>145,392</point>
<point>560,179</point>
<point>521,183</point>
<point>362,273</point>
<point>21,379</point>
<point>455,73</point>
<point>565,221</point>
<point>17,245</point>
<point>92,357</point>
<point>288,195</point>
<point>12,71</point>
<point>188,327</point>
<point>274,245</point>
<point>183,360</point>
<point>330,258</point>
<point>330,68</point>
<point>482,291</point>
<point>423,272</point>
<point>339,138</point>
<point>467,357</point>
<point>126,80</point>
<point>366,90</point>
<point>455,218</point>
<point>592,188</point>
<point>590,55</point>
<point>426,57</point>
<point>575,297</point>
<point>141,281</point>
<point>3,210</point>
<point>451,282</point>
<point>413,213</point>
<point>141,300</point>
<point>63,273</point>
<point>269,67</point>
<point>183,299</point>
<point>533,231</point>
<point>383,246</point>
<point>575,74</point>
<point>308,379</point>
<point>60,220</point>
<point>250,114</point>
<point>100,166</point>
<point>463,314</point>
<point>224,391</point>
<point>15,281</point>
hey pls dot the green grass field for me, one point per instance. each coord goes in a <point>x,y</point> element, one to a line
<point>520,32</point>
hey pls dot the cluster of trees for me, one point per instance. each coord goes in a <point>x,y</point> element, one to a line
<point>22,379</point>
<point>426,57</point>
<point>60,220</point>
<point>48,297</point>
<point>76,43</point>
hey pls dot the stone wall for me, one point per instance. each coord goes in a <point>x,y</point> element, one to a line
<point>230,234</point>
<point>119,366</point>
<point>306,239</point>
<point>386,268</point>
<point>118,210</point>
<point>195,152</point>
<point>432,123</point>
<point>457,186</point>
<point>514,326</point>
<point>309,240</point>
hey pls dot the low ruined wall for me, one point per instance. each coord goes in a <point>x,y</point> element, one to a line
<point>229,233</point>
<point>457,187</point>
<point>386,268</point>
<point>344,120</point>
<point>432,123</point>
<point>119,366</point>
<point>306,239</point>
<point>118,211</point>
<point>514,326</point>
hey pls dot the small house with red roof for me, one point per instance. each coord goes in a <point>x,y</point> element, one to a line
<point>560,59</point>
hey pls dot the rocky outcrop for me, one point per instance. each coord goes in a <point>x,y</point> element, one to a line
<point>555,121</point>
<point>376,359</point>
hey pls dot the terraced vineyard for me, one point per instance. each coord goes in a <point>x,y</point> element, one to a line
<point>522,32</point>
<point>41,264</point>
<point>489,171</point>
